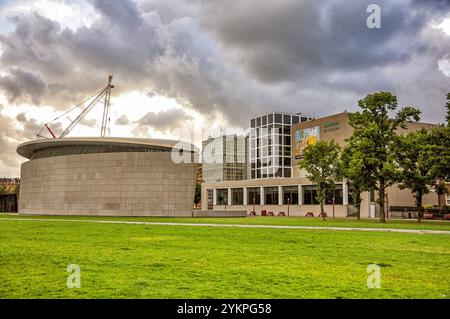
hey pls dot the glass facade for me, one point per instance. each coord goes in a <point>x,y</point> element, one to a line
<point>225,158</point>
<point>63,150</point>
<point>310,194</point>
<point>222,196</point>
<point>237,196</point>
<point>271,195</point>
<point>254,195</point>
<point>290,193</point>
<point>270,145</point>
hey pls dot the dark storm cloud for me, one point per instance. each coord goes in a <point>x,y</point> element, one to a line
<point>22,85</point>
<point>164,120</point>
<point>236,57</point>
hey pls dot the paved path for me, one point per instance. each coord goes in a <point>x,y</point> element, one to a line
<point>392,230</point>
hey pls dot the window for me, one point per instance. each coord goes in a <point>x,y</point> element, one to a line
<point>271,195</point>
<point>253,123</point>
<point>291,193</point>
<point>253,196</point>
<point>287,119</point>
<point>287,172</point>
<point>287,161</point>
<point>287,130</point>
<point>295,119</point>
<point>270,118</point>
<point>309,195</point>
<point>338,196</point>
<point>222,196</point>
<point>278,118</point>
<point>447,200</point>
<point>287,140</point>
<point>258,122</point>
<point>264,120</point>
<point>237,196</point>
<point>210,198</point>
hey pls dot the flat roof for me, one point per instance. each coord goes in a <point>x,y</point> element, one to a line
<point>28,148</point>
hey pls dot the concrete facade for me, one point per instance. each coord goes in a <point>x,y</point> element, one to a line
<point>115,184</point>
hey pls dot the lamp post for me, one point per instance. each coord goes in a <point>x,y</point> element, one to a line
<point>288,200</point>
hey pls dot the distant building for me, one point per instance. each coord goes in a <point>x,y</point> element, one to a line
<point>270,144</point>
<point>225,158</point>
<point>9,188</point>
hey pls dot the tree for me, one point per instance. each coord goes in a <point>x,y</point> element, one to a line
<point>447,117</point>
<point>416,159</point>
<point>321,164</point>
<point>375,134</point>
<point>352,170</point>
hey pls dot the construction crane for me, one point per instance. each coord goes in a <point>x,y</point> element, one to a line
<point>104,94</point>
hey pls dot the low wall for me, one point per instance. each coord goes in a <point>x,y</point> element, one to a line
<point>219,213</point>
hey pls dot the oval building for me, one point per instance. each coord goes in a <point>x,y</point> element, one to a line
<point>107,176</point>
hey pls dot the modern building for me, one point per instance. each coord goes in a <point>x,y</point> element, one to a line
<point>107,176</point>
<point>225,158</point>
<point>270,144</point>
<point>294,194</point>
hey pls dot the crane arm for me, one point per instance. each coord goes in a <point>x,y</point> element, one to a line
<point>85,111</point>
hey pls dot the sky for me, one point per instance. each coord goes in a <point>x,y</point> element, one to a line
<point>182,66</point>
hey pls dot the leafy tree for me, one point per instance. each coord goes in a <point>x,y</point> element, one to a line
<point>352,169</point>
<point>321,164</point>
<point>375,134</point>
<point>416,160</point>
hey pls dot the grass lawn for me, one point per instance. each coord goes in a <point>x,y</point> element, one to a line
<point>146,261</point>
<point>258,220</point>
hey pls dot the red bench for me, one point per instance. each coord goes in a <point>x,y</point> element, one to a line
<point>270,214</point>
<point>281,214</point>
<point>427,216</point>
<point>263,213</point>
<point>309,214</point>
<point>252,213</point>
<point>446,217</point>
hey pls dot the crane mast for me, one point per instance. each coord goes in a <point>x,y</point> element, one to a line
<point>105,119</point>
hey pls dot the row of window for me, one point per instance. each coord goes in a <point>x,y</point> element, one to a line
<point>289,196</point>
<point>270,172</point>
<point>277,118</point>
<point>269,141</point>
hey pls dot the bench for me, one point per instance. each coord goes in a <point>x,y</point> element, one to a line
<point>281,214</point>
<point>270,214</point>
<point>309,214</point>
<point>263,213</point>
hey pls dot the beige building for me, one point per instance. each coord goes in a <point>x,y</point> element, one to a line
<point>296,195</point>
<point>107,176</point>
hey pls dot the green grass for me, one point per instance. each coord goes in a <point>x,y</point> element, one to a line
<point>257,220</point>
<point>146,261</point>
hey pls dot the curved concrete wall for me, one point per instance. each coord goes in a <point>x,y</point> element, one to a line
<point>114,184</point>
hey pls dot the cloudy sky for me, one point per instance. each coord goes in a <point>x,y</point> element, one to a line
<point>185,65</point>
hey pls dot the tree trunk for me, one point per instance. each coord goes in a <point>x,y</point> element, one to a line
<point>358,212</point>
<point>322,212</point>
<point>419,207</point>
<point>381,194</point>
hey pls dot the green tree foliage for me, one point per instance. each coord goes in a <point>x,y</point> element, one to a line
<point>352,170</point>
<point>321,164</point>
<point>416,158</point>
<point>375,134</point>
